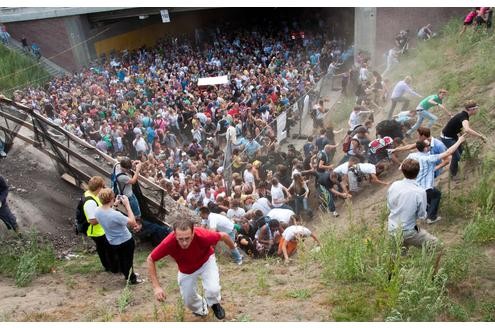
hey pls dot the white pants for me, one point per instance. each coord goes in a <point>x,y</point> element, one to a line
<point>188,284</point>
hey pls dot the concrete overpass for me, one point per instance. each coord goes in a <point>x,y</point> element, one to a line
<point>74,36</point>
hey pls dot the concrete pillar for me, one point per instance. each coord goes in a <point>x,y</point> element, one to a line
<point>365,32</point>
<point>78,33</point>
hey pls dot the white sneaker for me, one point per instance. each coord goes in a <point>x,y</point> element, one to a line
<point>335,214</point>
<point>430,221</point>
<point>3,154</point>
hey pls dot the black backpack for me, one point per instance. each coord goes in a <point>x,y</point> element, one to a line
<point>116,187</point>
<point>81,223</point>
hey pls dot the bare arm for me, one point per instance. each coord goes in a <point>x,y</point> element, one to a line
<point>136,174</point>
<point>227,241</point>
<point>159,292</point>
<point>452,148</point>
<point>468,130</point>
<point>404,148</point>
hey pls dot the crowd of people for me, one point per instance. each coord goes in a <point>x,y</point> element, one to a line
<point>144,107</point>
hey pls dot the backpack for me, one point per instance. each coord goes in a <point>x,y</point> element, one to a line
<point>346,143</point>
<point>117,189</point>
<point>81,223</point>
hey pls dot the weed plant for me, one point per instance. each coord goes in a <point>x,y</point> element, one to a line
<point>25,256</point>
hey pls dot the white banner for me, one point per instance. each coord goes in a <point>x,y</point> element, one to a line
<point>306,105</point>
<point>165,16</point>
<point>213,80</point>
<point>281,123</point>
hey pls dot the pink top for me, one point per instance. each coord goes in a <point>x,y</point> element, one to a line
<point>470,16</point>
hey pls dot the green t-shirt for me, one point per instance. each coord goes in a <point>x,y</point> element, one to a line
<point>425,103</point>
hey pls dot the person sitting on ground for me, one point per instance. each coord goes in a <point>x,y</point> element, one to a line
<point>407,203</point>
<point>119,237</point>
<point>352,173</point>
<point>291,236</point>
<point>267,237</point>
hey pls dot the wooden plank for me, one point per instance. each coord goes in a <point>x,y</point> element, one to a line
<point>23,138</point>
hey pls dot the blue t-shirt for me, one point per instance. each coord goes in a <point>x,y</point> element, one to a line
<point>114,224</point>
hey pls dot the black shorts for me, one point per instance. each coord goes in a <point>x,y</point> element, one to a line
<point>469,23</point>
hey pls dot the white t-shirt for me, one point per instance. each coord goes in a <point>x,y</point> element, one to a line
<point>296,230</point>
<point>248,177</point>
<point>282,215</point>
<point>90,208</point>
<point>354,119</point>
<point>235,213</point>
<point>219,223</point>
<point>367,168</point>
<point>342,169</point>
<point>277,195</point>
<point>262,204</point>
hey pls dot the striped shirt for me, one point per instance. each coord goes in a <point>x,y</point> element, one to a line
<point>427,163</point>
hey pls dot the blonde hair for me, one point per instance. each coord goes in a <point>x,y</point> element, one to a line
<point>106,195</point>
<point>96,183</point>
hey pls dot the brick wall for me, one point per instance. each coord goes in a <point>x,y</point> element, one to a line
<point>50,35</point>
<point>391,20</point>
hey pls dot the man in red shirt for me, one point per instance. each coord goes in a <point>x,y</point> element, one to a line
<point>192,249</point>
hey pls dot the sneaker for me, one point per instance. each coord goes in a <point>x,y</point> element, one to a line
<point>137,281</point>
<point>240,260</point>
<point>430,221</point>
<point>218,310</point>
<point>335,214</point>
<point>3,154</point>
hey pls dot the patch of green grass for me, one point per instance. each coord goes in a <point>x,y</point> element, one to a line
<point>301,294</point>
<point>354,303</point>
<point>124,299</point>
<point>262,280</point>
<point>180,309</point>
<point>488,311</point>
<point>25,256</point>
<point>86,264</point>
<point>244,318</point>
<point>18,71</point>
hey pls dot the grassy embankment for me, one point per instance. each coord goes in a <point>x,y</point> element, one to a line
<point>18,71</point>
<point>375,282</point>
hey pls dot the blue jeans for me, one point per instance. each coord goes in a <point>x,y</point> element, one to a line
<point>456,156</point>
<point>433,196</point>
<point>135,206</point>
<point>422,114</point>
<point>234,253</point>
<point>301,204</point>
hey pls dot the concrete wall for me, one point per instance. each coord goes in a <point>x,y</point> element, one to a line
<point>365,31</point>
<point>52,37</point>
<point>390,21</point>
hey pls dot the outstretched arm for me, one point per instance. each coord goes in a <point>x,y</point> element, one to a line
<point>158,290</point>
